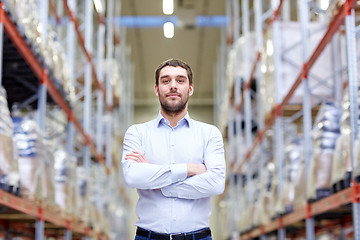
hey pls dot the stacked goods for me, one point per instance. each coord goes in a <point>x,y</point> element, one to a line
<point>32,165</point>
<point>342,158</point>
<point>9,176</point>
<point>81,193</point>
<point>292,63</point>
<point>266,204</point>
<point>47,175</point>
<point>50,52</point>
<point>293,161</point>
<point>64,169</point>
<point>325,134</point>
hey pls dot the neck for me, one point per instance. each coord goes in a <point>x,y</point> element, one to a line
<point>173,117</point>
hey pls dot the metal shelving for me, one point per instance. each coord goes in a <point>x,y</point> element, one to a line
<point>46,90</point>
<point>303,219</point>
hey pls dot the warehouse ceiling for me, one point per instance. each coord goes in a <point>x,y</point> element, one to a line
<point>195,45</point>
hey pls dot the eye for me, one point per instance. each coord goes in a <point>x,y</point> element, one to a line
<point>180,80</point>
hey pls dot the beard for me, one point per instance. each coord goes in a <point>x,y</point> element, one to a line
<point>170,108</point>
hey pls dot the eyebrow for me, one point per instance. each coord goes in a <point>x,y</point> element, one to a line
<point>166,76</point>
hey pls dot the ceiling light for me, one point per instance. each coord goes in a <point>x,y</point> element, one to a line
<point>98,6</point>
<point>169,30</point>
<point>168,7</point>
<point>324,4</point>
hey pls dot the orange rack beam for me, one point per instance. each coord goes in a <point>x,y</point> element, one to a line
<point>38,211</point>
<point>333,201</point>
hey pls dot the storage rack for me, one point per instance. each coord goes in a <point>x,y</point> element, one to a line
<point>274,120</point>
<point>37,76</point>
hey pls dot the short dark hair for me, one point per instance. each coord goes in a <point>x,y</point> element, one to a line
<point>174,63</point>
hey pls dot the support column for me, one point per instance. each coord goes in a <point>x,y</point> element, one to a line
<point>42,95</point>
<point>278,128</point>
<point>109,91</point>
<point>89,9</point>
<point>307,121</point>
<point>353,95</point>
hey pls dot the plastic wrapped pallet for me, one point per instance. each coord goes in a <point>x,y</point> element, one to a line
<point>265,201</point>
<point>293,158</point>
<point>9,174</point>
<point>29,143</point>
<point>47,176</point>
<point>97,193</point>
<point>300,197</point>
<point>325,134</point>
<point>291,64</point>
<point>244,222</point>
<point>342,158</point>
<point>82,183</point>
<point>64,168</point>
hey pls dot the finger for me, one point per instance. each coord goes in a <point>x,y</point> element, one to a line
<point>133,158</point>
<point>140,155</point>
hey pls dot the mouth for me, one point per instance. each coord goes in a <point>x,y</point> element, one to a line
<point>172,95</point>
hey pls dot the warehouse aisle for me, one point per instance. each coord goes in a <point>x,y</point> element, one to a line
<point>278,78</point>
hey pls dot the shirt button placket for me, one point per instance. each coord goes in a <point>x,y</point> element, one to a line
<point>172,144</point>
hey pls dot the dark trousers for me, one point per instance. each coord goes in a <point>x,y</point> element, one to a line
<point>149,235</point>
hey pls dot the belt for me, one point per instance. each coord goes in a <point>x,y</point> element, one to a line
<point>203,233</point>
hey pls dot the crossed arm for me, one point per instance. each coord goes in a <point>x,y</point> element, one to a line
<point>192,168</point>
<point>183,180</point>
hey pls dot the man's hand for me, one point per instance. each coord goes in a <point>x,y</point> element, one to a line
<point>136,156</point>
<point>195,169</point>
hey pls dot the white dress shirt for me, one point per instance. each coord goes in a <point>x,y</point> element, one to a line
<point>169,201</point>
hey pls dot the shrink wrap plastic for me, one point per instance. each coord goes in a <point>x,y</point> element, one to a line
<point>245,219</point>
<point>35,161</point>
<point>251,190</point>
<point>293,163</point>
<point>292,63</point>
<point>65,179</point>
<point>235,68</point>
<point>82,193</point>
<point>266,204</point>
<point>342,156</point>
<point>98,186</point>
<point>9,174</point>
<point>257,203</point>
<point>325,133</point>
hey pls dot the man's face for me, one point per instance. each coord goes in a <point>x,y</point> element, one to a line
<point>174,89</point>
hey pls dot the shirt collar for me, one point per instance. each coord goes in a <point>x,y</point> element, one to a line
<point>187,120</point>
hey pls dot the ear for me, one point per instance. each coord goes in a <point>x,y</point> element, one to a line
<point>191,89</point>
<point>156,90</point>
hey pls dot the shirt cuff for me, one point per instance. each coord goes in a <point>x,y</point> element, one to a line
<point>178,172</point>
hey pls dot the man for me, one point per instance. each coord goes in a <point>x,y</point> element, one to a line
<point>176,163</point>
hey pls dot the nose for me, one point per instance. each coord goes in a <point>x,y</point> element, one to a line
<point>173,84</point>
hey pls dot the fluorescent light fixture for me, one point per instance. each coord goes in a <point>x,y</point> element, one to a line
<point>169,30</point>
<point>324,4</point>
<point>168,7</point>
<point>98,6</point>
